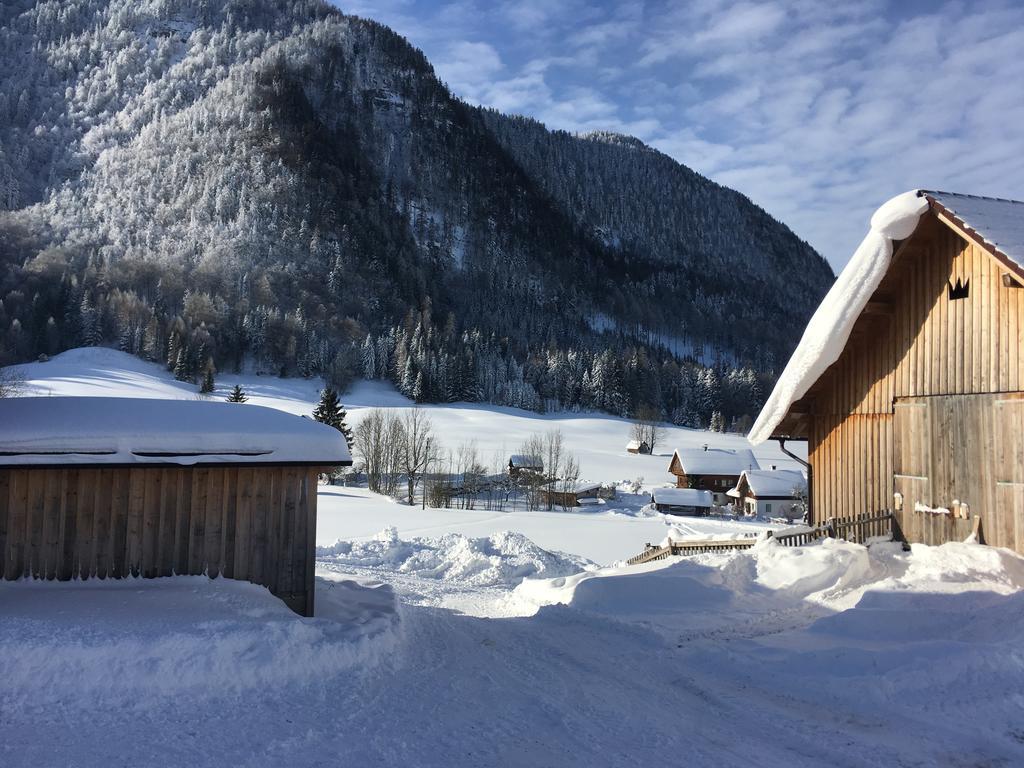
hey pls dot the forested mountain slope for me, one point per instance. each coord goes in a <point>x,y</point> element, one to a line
<point>215,183</point>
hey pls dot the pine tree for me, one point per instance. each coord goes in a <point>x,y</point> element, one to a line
<point>207,385</point>
<point>331,412</point>
<point>237,395</point>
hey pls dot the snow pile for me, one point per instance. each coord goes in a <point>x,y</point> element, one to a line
<point>502,559</point>
<point>829,328</point>
<point>828,575</point>
<point>140,641</point>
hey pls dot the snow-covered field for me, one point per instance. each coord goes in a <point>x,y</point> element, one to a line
<point>468,637</point>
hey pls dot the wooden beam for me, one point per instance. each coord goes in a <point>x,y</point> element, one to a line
<point>1011,281</point>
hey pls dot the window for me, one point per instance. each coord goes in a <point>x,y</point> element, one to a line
<point>767,508</point>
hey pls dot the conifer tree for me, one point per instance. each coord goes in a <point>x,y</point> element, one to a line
<point>237,395</point>
<point>206,387</point>
<point>331,412</point>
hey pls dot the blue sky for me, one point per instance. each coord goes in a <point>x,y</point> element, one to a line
<point>819,111</point>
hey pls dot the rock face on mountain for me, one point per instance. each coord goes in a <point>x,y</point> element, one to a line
<point>277,184</point>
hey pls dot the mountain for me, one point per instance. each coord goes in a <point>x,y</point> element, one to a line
<point>280,185</point>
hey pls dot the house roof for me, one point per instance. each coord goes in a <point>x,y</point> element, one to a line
<point>715,461</point>
<point>778,483</point>
<point>995,224</point>
<point>520,461</point>
<point>110,430</point>
<point>633,445</point>
<point>682,497</point>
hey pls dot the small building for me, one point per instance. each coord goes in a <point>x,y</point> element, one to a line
<point>711,469</point>
<point>908,383</point>
<point>519,463</point>
<point>96,487</point>
<point>578,495</point>
<point>770,493</point>
<point>682,501</point>
<point>638,446</point>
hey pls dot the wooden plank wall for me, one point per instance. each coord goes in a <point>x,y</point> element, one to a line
<point>245,523</point>
<point>914,341</point>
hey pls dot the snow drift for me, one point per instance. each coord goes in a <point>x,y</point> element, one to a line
<point>504,559</point>
<point>830,326</point>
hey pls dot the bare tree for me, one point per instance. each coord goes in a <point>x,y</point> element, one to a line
<point>378,442</point>
<point>12,384</point>
<point>647,427</point>
<point>418,446</point>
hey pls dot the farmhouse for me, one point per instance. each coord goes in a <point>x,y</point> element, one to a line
<point>638,446</point>
<point>770,493</point>
<point>711,469</point>
<point>112,487</point>
<point>909,381</point>
<point>518,463</point>
<point>682,501</point>
<point>579,494</point>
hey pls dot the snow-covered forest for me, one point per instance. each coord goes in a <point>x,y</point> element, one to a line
<point>220,185</point>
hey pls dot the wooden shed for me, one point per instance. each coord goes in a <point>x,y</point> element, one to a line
<point>682,501</point>
<point>909,382</point>
<point>577,495</point>
<point>114,487</point>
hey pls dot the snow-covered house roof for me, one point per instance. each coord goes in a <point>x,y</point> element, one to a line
<point>713,461</point>
<point>520,461</point>
<point>770,483</point>
<point>682,497</point>
<point>112,430</point>
<point>633,445</point>
<point>996,225</point>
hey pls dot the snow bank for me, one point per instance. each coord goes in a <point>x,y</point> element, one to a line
<point>139,641</point>
<point>503,559</point>
<point>829,329</point>
<point>830,574</point>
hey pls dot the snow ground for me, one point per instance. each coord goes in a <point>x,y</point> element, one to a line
<point>445,641</point>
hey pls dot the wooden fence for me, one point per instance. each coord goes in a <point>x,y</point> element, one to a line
<point>856,528</point>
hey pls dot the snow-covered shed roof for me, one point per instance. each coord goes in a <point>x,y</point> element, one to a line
<point>770,483</point>
<point>113,430</point>
<point>519,461</point>
<point>633,445</point>
<point>714,461</point>
<point>682,497</point>
<point>996,224</point>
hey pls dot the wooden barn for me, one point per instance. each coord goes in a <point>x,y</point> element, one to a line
<point>519,464</point>
<point>770,493</point>
<point>114,487</point>
<point>638,446</point>
<point>579,494</point>
<point>711,469</point>
<point>909,381</point>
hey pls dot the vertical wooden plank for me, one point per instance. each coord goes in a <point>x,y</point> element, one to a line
<point>197,529</point>
<point>68,526</point>
<point>17,526</point>
<point>243,523</point>
<point>166,536</point>
<point>274,511</point>
<point>152,485</point>
<point>36,513</point>
<point>230,523</point>
<point>292,480</point>
<point>5,512</point>
<point>116,483</point>
<point>214,521</point>
<point>102,524</point>
<point>308,501</point>
<point>136,509</point>
<point>183,520</point>
<point>53,496</point>
<point>262,482</point>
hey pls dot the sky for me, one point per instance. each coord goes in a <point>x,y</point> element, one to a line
<point>819,110</point>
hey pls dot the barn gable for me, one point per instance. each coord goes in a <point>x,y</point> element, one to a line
<point>920,410</point>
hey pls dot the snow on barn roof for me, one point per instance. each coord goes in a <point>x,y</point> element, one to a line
<point>682,497</point>
<point>715,461</point>
<point>829,328</point>
<point>632,445</point>
<point>995,221</point>
<point>112,430</point>
<point>771,482</point>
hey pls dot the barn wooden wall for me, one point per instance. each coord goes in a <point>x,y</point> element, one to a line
<point>912,341</point>
<point>253,524</point>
